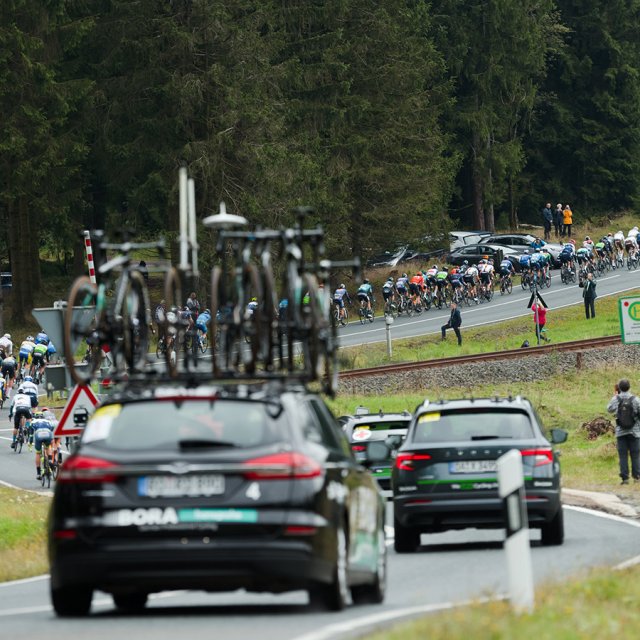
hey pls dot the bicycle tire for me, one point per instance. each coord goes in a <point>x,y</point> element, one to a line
<point>136,322</point>
<point>160,349</point>
<point>173,301</point>
<point>85,292</point>
<point>251,325</point>
<point>269,317</point>
<point>362,315</point>
<point>203,343</point>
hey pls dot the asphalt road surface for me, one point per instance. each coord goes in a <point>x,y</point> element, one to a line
<point>449,569</point>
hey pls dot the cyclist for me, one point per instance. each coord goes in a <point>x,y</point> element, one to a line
<point>599,248</point>
<point>38,360</point>
<point>6,346</point>
<point>3,390</point>
<point>9,366</point>
<point>159,316</point>
<point>471,277</point>
<point>42,338</point>
<point>567,254</point>
<point>442,278</point>
<point>338,298</point>
<point>365,293</point>
<point>485,274</point>
<point>29,387</point>
<point>456,280</point>
<point>618,239</point>
<point>633,233</point>
<point>631,244</point>
<point>506,268</point>
<point>51,351</point>
<point>42,429</point>
<point>203,320</point>
<point>20,411</point>
<point>388,290</point>
<point>26,351</point>
<point>583,256</point>
<point>525,262</point>
<point>416,287</point>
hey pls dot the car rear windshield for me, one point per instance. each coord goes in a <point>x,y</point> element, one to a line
<point>473,424</point>
<point>168,424</point>
<point>382,426</point>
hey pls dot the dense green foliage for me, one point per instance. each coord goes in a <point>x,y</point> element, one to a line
<point>395,120</point>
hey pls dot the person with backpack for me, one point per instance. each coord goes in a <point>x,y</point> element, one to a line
<point>626,407</point>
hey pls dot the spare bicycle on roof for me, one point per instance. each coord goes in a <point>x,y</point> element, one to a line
<point>270,305</point>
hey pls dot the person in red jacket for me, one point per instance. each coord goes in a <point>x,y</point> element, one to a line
<point>539,319</point>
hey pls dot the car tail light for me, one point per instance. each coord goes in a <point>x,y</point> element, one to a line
<point>540,456</point>
<point>358,448</point>
<point>87,469</point>
<point>413,503</point>
<point>405,461</point>
<point>280,466</point>
<point>65,534</point>
<point>297,530</point>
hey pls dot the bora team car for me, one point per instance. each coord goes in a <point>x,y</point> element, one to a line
<point>215,488</point>
<point>444,475</point>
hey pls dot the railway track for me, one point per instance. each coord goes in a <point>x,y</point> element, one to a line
<point>574,345</point>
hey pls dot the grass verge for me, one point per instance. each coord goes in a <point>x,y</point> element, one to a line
<point>603,604</point>
<point>565,401</point>
<point>22,534</point>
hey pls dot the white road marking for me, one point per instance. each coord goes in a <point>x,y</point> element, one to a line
<point>349,626</point>
<point>627,563</point>
<point>11,583</point>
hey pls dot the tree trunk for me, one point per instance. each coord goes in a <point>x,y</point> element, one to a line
<point>478,214</point>
<point>34,250</point>
<point>513,214</point>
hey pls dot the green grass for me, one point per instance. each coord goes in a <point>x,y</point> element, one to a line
<point>603,604</point>
<point>563,325</point>
<point>22,534</point>
<point>566,401</point>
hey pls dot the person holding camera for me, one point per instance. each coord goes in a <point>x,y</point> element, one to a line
<point>626,407</point>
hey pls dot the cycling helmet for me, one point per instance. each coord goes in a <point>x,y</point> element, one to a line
<point>7,336</point>
<point>342,286</point>
<point>254,299</point>
<point>366,281</point>
<point>526,250</point>
<point>208,311</point>
<point>572,241</point>
<point>404,275</point>
<point>20,389</point>
<point>28,379</point>
<point>490,261</point>
<point>587,238</point>
<point>30,338</point>
<point>390,279</point>
<point>435,266</point>
<point>466,262</point>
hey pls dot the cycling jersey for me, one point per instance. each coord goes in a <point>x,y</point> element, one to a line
<point>42,338</point>
<point>365,289</point>
<point>6,345</point>
<point>525,260</point>
<point>42,433</point>
<point>40,349</point>
<point>203,320</point>
<point>633,233</point>
<point>402,284</point>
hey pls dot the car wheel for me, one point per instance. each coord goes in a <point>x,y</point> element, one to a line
<point>553,531</point>
<point>334,596</point>
<point>130,602</point>
<point>71,601</point>
<point>374,593</point>
<point>406,539</point>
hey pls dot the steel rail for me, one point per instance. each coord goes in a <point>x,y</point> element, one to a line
<point>573,345</point>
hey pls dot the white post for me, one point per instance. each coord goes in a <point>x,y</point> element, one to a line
<point>389,321</point>
<point>516,546</point>
<point>183,203</point>
<point>193,241</point>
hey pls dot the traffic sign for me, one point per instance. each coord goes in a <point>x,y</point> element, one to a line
<point>629,314</point>
<point>81,404</point>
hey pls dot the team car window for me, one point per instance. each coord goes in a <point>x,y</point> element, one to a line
<point>331,437</point>
<point>475,424</point>
<point>167,425</point>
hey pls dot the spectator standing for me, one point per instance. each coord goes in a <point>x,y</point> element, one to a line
<point>540,320</point>
<point>547,220</point>
<point>626,406</point>
<point>589,295</point>
<point>558,220</point>
<point>567,220</point>
<point>454,322</point>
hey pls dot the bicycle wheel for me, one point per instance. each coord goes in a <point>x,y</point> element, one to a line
<point>203,343</point>
<point>160,348</point>
<point>172,326</point>
<point>509,286</point>
<point>81,322</point>
<point>135,322</point>
<point>363,314</point>
<point>269,318</point>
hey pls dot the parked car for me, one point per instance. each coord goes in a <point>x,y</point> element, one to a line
<point>473,253</point>
<point>464,238</point>
<point>403,255</point>
<point>216,488</point>
<point>521,241</point>
<point>444,475</point>
<point>364,430</point>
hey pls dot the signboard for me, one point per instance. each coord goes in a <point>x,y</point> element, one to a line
<point>81,404</point>
<point>629,314</point>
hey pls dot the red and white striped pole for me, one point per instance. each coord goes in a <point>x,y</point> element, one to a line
<point>89,251</point>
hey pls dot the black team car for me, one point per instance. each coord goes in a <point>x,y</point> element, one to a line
<point>384,432</point>
<point>445,472</point>
<point>215,488</point>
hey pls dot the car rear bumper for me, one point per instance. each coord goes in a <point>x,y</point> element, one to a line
<point>439,513</point>
<point>189,563</point>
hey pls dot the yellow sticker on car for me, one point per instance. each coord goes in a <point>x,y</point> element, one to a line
<point>429,417</point>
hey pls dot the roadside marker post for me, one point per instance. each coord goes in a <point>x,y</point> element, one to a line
<point>89,251</point>
<point>629,316</point>
<point>81,404</point>
<point>516,545</point>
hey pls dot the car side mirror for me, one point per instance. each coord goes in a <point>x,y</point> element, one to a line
<point>558,436</point>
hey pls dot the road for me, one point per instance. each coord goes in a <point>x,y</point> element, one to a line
<point>450,568</point>
<point>500,308</point>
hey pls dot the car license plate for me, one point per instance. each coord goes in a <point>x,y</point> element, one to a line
<point>473,466</point>
<point>181,486</point>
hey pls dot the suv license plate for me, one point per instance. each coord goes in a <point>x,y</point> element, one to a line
<point>473,466</point>
<point>181,486</point>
